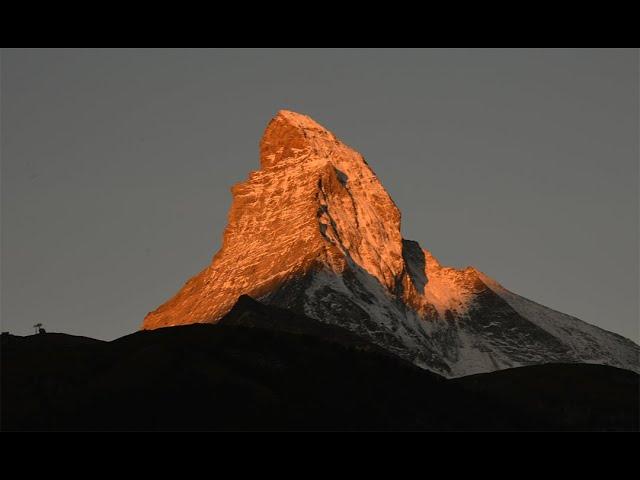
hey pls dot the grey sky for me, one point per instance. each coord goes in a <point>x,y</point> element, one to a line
<point>116,168</point>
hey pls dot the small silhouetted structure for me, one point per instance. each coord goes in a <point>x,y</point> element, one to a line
<point>39,328</point>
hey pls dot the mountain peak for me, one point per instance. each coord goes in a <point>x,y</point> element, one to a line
<point>292,135</point>
<point>299,120</point>
<point>314,206</point>
<point>314,231</point>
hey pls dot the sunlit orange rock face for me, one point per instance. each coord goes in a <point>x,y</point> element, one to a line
<point>314,204</point>
<point>313,230</point>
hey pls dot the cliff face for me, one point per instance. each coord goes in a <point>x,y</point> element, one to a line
<point>315,231</point>
<point>314,205</point>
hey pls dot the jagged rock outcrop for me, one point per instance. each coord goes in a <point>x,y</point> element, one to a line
<point>315,231</point>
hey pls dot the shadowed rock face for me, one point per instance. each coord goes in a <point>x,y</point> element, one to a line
<point>314,231</point>
<point>415,260</point>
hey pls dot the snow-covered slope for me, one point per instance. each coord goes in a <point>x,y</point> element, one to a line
<point>315,231</point>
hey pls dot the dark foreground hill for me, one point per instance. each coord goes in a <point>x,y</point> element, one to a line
<point>265,368</point>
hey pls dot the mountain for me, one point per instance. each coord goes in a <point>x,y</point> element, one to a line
<point>265,368</point>
<point>315,232</point>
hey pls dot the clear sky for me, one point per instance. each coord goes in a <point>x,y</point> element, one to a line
<point>116,168</point>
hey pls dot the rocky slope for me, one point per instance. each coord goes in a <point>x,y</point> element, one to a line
<point>314,231</point>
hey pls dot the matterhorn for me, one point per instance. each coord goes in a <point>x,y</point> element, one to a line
<point>314,231</point>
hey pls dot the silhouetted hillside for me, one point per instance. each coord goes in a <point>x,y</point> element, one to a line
<point>574,396</point>
<point>265,368</point>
